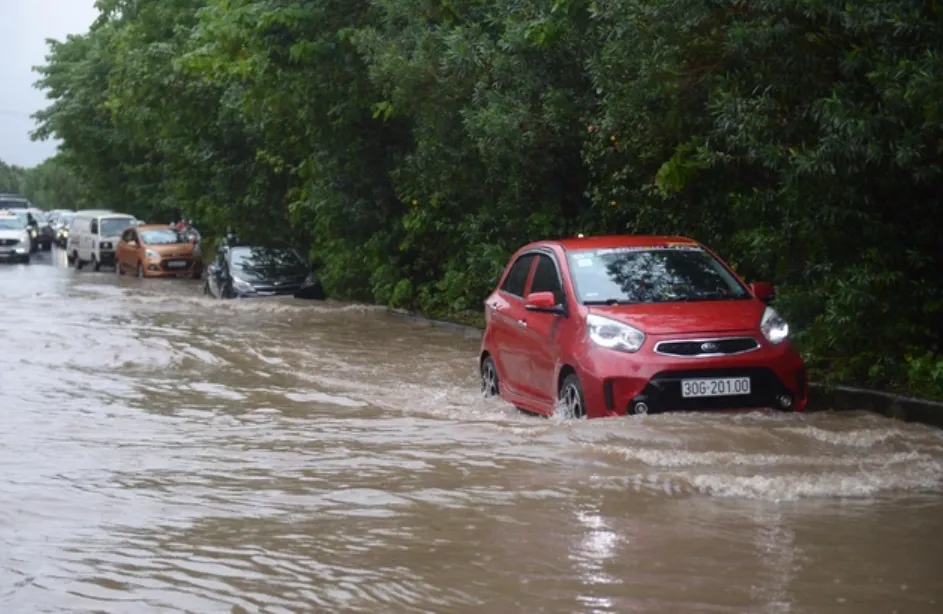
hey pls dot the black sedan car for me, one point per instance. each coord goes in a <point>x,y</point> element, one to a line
<point>243,271</point>
<point>40,232</point>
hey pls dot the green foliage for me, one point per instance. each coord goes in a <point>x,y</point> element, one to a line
<point>414,144</point>
<point>50,185</point>
<point>11,178</point>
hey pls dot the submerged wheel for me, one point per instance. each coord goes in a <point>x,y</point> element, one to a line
<point>570,401</point>
<point>490,385</point>
<point>140,270</point>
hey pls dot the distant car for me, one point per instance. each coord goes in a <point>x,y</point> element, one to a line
<point>609,326</point>
<point>157,250</point>
<point>40,232</point>
<point>61,226</point>
<point>15,240</point>
<point>8,202</point>
<point>243,271</point>
<point>93,237</point>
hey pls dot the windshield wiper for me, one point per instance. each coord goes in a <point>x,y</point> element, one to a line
<point>610,301</point>
<point>711,296</point>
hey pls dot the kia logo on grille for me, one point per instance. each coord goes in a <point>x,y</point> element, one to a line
<point>708,347</point>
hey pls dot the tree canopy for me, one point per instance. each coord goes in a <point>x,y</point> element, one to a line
<point>51,184</point>
<point>414,144</point>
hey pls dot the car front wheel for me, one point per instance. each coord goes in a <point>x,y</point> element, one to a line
<point>490,385</point>
<point>570,401</point>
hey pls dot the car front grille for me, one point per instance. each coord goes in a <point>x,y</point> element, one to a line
<point>288,288</point>
<point>664,390</point>
<point>166,265</point>
<point>8,242</point>
<point>697,348</point>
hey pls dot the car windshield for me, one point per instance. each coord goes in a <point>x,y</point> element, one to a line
<point>265,262</point>
<point>11,223</point>
<point>40,217</point>
<point>65,218</point>
<point>13,204</point>
<point>113,226</point>
<point>651,275</point>
<point>162,236</point>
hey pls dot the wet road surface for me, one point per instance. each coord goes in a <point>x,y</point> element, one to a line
<point>162,452</point>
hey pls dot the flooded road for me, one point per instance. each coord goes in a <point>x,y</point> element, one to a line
<point>162,452</point>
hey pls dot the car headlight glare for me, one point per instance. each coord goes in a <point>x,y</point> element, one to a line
<point>774,327</point>
<point>241,285</point>
<point>614,335</point>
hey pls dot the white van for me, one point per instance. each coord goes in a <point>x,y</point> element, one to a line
<point>94,235</point>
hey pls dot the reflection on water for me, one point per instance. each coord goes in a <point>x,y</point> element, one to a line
<point>162,452</point>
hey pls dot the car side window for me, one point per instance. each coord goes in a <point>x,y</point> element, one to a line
<point>93,227</point>
<point>516,280</point>
<point>546,278</point>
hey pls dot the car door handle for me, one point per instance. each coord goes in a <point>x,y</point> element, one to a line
<point>522,323</point>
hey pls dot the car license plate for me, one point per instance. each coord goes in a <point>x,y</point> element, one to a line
<point>177,264</point>
<point>719,387</point>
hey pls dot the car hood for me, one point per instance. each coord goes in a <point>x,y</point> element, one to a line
<point>14,234</point>
<point>681,318</point>
<point>177,250</point>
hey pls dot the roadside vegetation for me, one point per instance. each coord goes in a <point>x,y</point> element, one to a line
<point>51,183</point>
<point>414,144</point>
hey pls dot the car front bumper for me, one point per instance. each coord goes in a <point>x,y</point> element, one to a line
<point>14,254</point>
<point>162,268</point>
<point>614,383</point>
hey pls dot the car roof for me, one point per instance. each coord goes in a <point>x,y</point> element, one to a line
<point>615,241</point>
<point>92,212</point>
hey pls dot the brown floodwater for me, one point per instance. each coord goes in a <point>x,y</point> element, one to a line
<point>162,452</point>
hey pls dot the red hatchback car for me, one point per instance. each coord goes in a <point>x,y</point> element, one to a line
<point>609,326</point>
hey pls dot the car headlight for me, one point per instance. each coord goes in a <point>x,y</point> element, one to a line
<point>32,232</point>
<point>151,253</point>
<point>242,285</point>
<point>774,327</point>
<point>614,335</point>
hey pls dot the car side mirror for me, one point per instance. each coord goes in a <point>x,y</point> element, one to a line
<point>542,301</point>
<point>763,291</point>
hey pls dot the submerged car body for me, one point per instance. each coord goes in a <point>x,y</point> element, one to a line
<point>609,326</point>
<point>243,271</point>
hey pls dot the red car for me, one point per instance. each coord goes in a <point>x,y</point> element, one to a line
<point>609,326</point>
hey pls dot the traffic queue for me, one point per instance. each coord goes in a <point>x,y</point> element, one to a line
<point>97,238</point>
